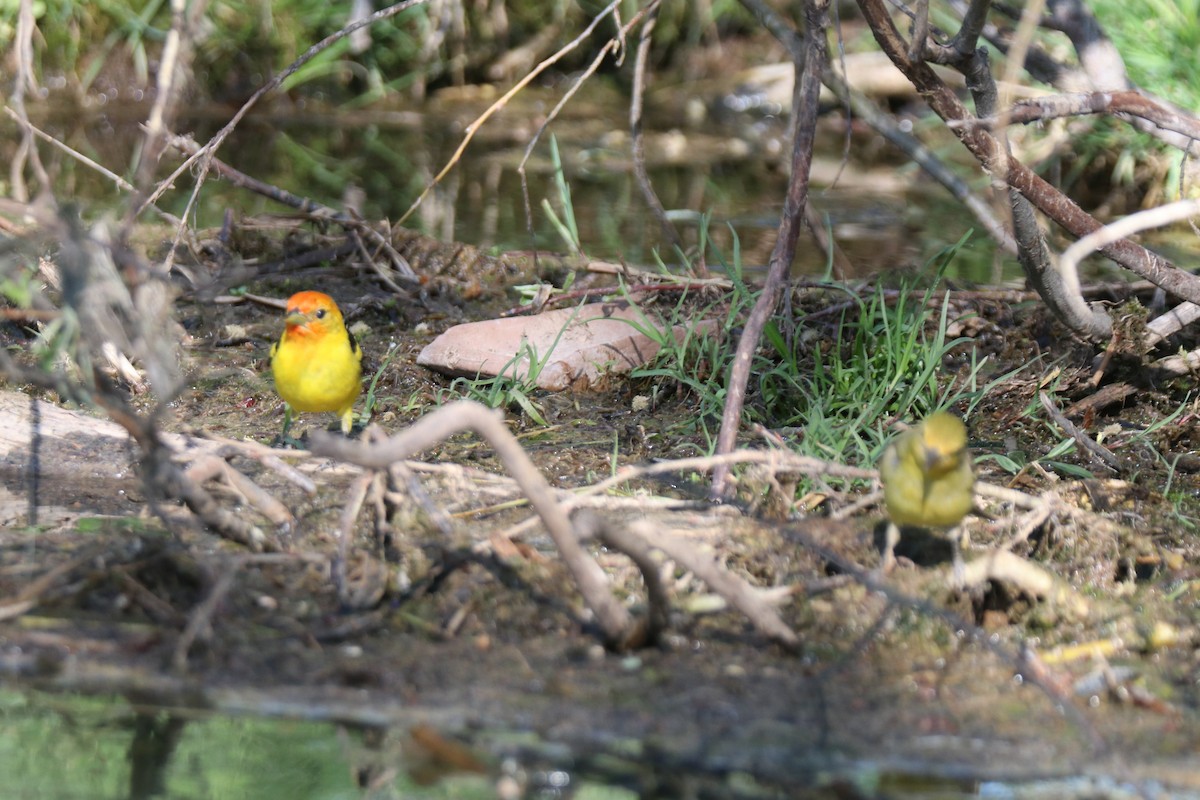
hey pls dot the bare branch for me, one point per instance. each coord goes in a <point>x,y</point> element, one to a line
<point>1131,103</point>
<point>804,124</point>
<point>1045,197</point>
<point>466,415</point>
<point>738,592</point>
<point>638,141</point>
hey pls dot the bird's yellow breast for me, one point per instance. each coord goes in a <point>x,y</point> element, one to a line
<point>317,372</point>
<point>927,475</point>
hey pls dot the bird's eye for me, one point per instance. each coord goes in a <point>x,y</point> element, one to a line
<point>320,313</point>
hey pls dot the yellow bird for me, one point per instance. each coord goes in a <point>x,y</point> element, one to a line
<point>928,481</point>
<point>317,363</point>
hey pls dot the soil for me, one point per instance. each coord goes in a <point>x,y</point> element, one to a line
<point>431,618</point>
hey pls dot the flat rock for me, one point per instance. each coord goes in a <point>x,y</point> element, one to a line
<point>579,346</point>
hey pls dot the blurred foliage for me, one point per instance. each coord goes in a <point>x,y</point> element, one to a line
<point>98,747</point>
<point>1160,42</point>
<point>239,44</point>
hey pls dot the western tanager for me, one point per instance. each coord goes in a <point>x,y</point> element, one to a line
<point>317,363</point>
<point>927,480</point>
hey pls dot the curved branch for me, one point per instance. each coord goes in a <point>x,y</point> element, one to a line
<point>1060,294</point>
<point>467,415</point>
<point>987,149</point>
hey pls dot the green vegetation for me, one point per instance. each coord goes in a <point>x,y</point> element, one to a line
<point>371,399</point>
<point>1160,42</point>
<point>563,220</point>
<point>513,389</point>
<point>242,43</point>
<point>95,747</point>
<point>836,376</point>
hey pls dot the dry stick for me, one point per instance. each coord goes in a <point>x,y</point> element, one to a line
<point>1042,109</point>
<point>926,159</point>
<point>1088,444</point>
<point>804,124</point>
<point>399,261</point>
<point>32,593</point>
<point>117,180</point>
<point>400,475</point>
<point>474,127</point>
<point>984,147</point>
<point>781,460</point>
<point>306,206</point>
<point>641,553</point>
<point>1126,226</point>
<point>1102,65</point>
<point>886,126</point>
<point>172,64</point>
<point>203,613</point>
<point>1018,51</point>
<point>159,610</point>
<point>356,494</point>
<point>1060,294</point>
<point>161,473</point>
<point>611,45</point>
<point>213,466</point>
<point>920,30</point>
<point>172,481</point>
<point>638,144</point>
<point>744,597</point>
<point>25,81</point>
<point>1068,264</point>
<point>974,20</point>
<point>210,148</point>
<point>268,457</point>
<point>840,265</point>
<point>466,415</point>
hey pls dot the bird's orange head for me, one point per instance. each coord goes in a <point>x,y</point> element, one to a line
<point>311,314</point>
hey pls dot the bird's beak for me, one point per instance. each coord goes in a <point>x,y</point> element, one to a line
<point>933,458</point>
<point>296,319</point>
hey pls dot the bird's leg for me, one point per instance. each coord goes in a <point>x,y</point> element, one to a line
<point>892,538</point>
<point>959,538</point>
<point>283,440</point>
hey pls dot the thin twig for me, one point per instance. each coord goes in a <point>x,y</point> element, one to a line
<point>491,110</point>
<point>201,617</point>
<point>638,145</point>
<point>1085,442</point>
<point>355,495</point>
<point>213,144</point>
<point>739,593</point>
<point>804,122</point>
<point>1126,226</point>
<point>213,466</point>
<point>612,45</point>
<point>307,206</point>
<point>640,552</point>
<point>995,160</point>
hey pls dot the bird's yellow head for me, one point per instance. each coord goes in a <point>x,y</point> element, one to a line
<point>943,442</point>
<point>311,314</point>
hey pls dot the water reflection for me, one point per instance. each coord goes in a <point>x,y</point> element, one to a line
<point>381,161</point>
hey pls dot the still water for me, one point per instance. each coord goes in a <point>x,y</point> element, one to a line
<point>728,173</point>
